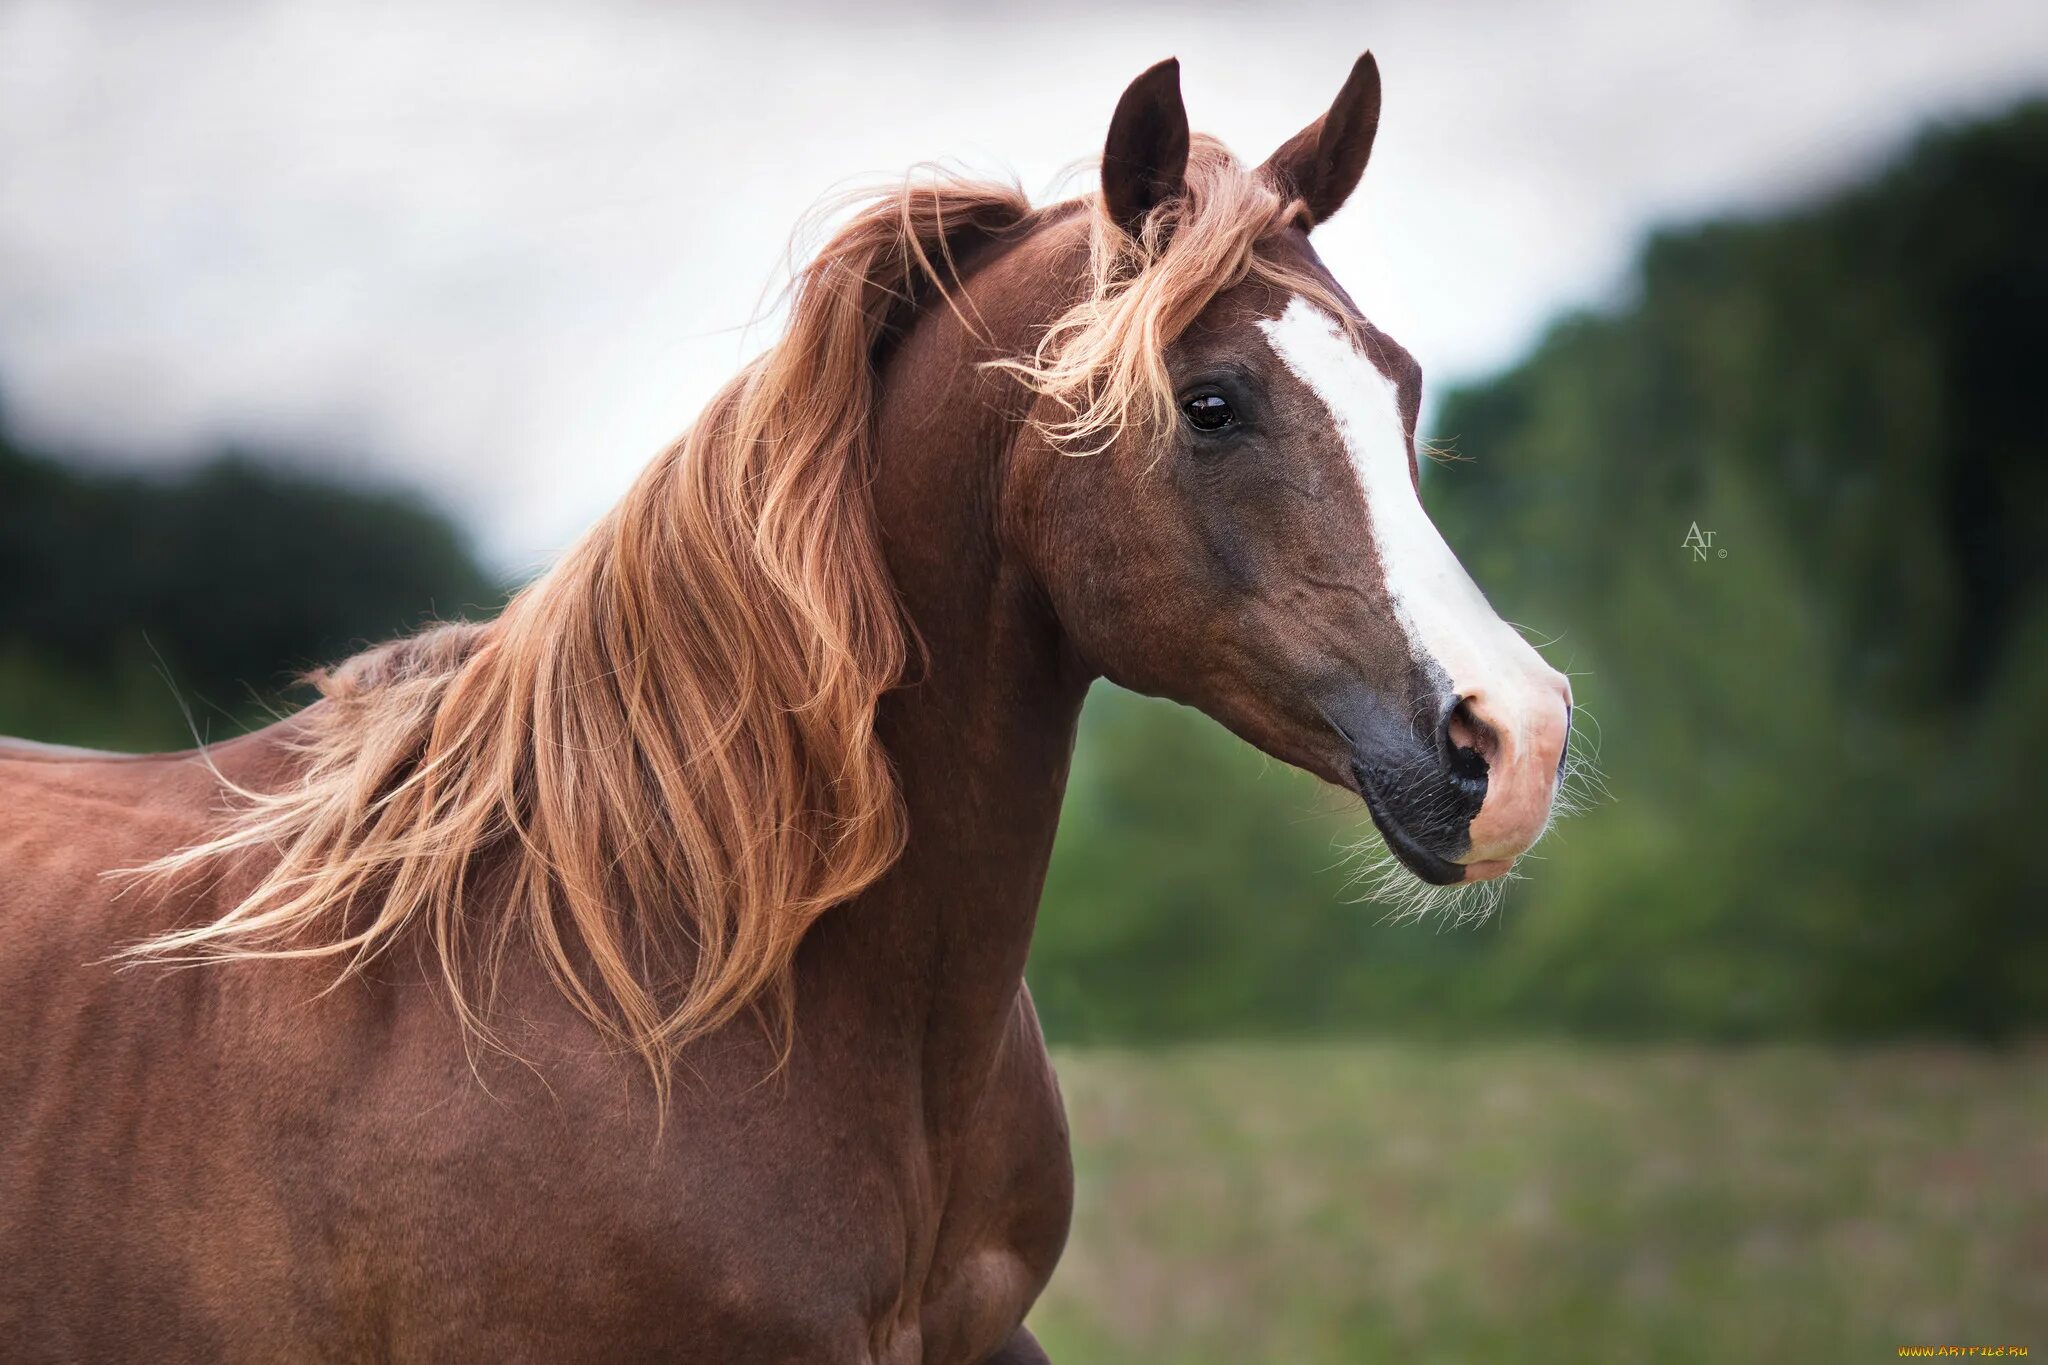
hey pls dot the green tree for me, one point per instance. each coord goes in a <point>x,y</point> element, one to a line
<point>126,600</point>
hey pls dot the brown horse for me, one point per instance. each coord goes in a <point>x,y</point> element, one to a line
<point>640,975</point>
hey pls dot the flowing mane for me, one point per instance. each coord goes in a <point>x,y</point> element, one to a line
<point>658,766</point>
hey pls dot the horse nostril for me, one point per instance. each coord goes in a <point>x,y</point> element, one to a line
<point>1464,729</point>
<point>1468,743</point>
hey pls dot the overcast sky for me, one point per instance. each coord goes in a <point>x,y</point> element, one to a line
<point>502,251</point>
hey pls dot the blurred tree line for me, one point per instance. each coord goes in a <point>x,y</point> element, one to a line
<point>128,601</point>
<point>1823,737</point>
<point>1820,736</point>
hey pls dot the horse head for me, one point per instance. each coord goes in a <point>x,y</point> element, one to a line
<point>1245,534</point>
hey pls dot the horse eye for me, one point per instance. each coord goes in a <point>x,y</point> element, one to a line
<point>1209,412</point>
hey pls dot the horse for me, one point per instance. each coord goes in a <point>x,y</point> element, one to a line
<point>639,974</point>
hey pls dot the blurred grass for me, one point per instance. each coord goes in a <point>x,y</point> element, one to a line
<point>1553,1202</point>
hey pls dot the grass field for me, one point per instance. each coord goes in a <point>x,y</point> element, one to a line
<point>1551,1203</point>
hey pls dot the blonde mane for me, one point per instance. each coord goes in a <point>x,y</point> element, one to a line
<point>658,766</point>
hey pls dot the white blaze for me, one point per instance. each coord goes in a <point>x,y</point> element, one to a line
<point>1440,609</point>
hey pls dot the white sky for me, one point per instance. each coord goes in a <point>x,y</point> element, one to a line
<point>502,251</point>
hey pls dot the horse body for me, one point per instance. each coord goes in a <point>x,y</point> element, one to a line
<point>270,1157</point>
<point>252,1157</point>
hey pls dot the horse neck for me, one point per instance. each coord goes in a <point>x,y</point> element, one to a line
<point>982,731</point>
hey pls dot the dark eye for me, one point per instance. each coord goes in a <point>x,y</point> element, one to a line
<point>1208,412</point>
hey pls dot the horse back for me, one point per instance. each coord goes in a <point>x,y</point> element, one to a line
<point>74,821</point>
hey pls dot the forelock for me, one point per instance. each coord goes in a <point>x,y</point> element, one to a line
<point>1102,362</point>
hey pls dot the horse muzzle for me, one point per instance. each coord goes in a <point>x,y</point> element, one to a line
<point>1460,801</point>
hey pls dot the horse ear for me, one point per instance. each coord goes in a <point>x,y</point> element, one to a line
<point>1323,162</point>
<point>1145,160</point>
